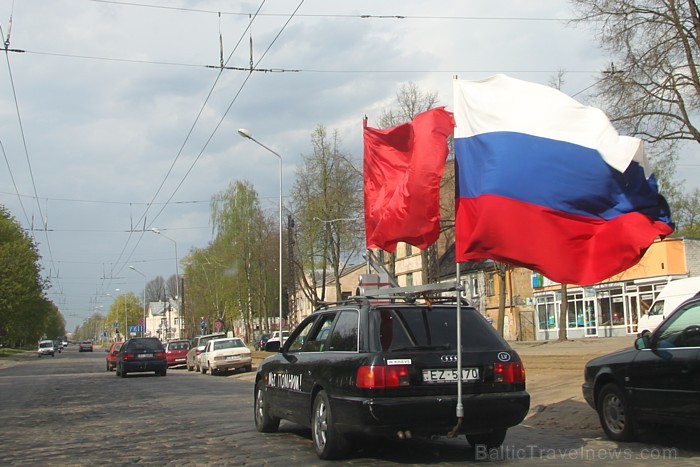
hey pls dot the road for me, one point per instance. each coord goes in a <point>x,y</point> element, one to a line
<point>68,410</point>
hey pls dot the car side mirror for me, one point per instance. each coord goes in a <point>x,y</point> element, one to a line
<point>272,346</point>
<point>642,342</point>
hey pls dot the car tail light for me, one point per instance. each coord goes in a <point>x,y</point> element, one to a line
<point>159,355</point>
<point>508,372</point>
<point>380,377</point>
<point>129,356</point>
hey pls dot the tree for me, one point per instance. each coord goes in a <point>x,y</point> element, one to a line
<point>652,88</point>
<point>155,290</point>
<point>126,309</point>
<point>24,311</point>
<point>244,239</point>
<point>327,205</point>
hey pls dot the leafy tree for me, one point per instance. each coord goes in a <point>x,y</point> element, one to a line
<point>126,309</point>
<point>327,205</point>
<point>24,311</point>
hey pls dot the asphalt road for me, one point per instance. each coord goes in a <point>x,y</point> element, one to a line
<point>68,410</point>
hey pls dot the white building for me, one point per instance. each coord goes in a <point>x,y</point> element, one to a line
<point>163,321</point>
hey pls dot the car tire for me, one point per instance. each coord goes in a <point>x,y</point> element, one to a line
<point>202,369</point>
<point>248,368</point>
<point>123,373</point>
<point>161,372</point>
<point>212,372</point>
<point>490,440</point>
<point>615,414</point>
<point>190,368</point>
<point>328,442</point>
<point>264,422</point>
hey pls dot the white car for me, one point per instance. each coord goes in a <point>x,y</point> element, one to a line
<point>225,354</point>
<point>46,347</point>
<point>276,338</point>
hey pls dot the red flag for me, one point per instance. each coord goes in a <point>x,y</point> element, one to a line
<point>403,166</point>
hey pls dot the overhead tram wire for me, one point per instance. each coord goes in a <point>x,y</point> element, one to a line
<point>179,153</point>
<point>24,145</point>
<point>206,143</point>
<point>330,15</point>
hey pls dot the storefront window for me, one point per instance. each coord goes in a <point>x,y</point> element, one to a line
<point>546,312</point>
<point>612,307</point>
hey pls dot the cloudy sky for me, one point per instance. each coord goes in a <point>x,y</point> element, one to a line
<point>115,116</point>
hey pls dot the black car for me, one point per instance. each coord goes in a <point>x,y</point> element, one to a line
<point>390,369</point>
<point>142,354</point>
<point>657,381</point>
<point>261,340</point>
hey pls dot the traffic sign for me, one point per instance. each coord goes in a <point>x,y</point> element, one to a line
<point>116,325</point>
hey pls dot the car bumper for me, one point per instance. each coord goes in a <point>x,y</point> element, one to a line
<point>226,365</point>
<point>430,415</point>
<point>177,361</point>
<point>137,367</point>
<point>587,390</point>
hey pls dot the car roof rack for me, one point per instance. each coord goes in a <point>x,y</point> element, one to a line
<point>428,292</point>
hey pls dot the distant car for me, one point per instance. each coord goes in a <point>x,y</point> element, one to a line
<point>85,346</point>
<point>198,344</point>
<point>142,354</point>
<point>273,343</point>
<point>46,348</point>
<point>229,353</point>
<point>176,351</point>
<point>64,343</point>
<point>112,355</point>
<point>261,340</point>
<point>655,382</point>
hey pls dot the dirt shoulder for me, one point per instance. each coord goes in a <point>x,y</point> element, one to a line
<point>554,372</point>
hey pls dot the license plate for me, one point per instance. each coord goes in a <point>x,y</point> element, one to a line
<point>233,357</point>
<point>449,375</point>
<point>145,355</point>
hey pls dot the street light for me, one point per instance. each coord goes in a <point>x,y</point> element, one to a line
<point>177,281</point>
<point>246,134</point>
<point>143,331</point>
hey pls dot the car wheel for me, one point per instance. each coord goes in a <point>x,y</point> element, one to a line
<point>123,373</point>
<point>161,372</point>
<point>328,442</point>
<point>212,371</point>
<point>490,440</point>
<point>615,414</point>
<point>264,422</point>
<point>190,368</point>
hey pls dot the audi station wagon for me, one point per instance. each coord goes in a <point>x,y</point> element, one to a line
<point>390,369</point>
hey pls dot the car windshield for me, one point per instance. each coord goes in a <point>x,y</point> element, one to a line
<point>408,328</point>
<point>45,344</point>
<point>203,341</point>
<point>230,344</point>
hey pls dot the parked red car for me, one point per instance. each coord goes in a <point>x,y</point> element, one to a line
<point>112,355</point>
<point>176,351</point>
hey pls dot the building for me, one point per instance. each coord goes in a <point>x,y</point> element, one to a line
<point>163,321</point>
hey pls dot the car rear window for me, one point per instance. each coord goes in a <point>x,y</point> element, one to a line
<point>228,344</point>
<point>409,328</point>
<point>178,345</point>
<point>144,344</point>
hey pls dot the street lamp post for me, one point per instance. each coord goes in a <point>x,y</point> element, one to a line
<point>177,284</point>
<point>143,331</point>
<point>246,134</point>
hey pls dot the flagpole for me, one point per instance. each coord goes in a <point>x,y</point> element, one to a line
<point>460,406</point>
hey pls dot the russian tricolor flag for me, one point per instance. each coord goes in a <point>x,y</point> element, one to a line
<point>547,183</point>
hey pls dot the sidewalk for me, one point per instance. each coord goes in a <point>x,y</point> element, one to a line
<point>588,346</point>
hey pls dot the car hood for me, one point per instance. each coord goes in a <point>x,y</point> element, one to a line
<point>618,357</point>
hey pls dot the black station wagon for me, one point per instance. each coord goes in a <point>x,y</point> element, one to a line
<point>390,369</point>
